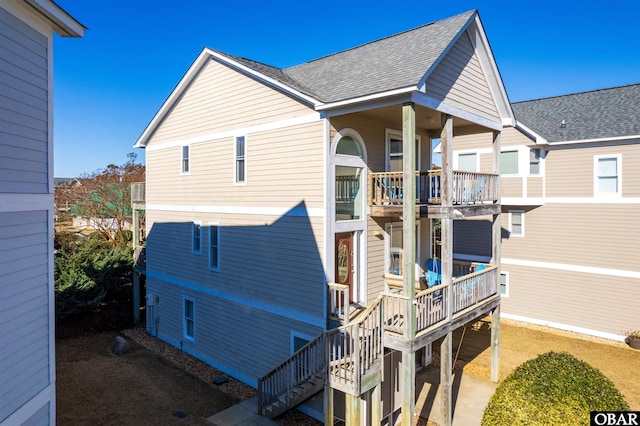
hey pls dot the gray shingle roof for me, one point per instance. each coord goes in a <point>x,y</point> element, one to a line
<point>605,113</point>
<point>394,62</point>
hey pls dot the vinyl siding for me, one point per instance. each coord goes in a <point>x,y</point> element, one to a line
<point>570,170</point>
<point>535,187</point>
<point>511,187</point>
<point>598,235</point>
<point>284,167</point>
<point>23,107</point>
<point>459,81</point>
<point>221,99</point>
<point>243,342</point>
<point>274,260</point>
<point>595,302</point>
<point>24,308</point>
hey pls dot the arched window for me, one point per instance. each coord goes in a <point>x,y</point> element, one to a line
<point>349,159</point>
<point>348,146</point>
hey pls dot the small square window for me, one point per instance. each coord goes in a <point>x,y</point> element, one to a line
<point>607,175</point>
<point>185,159</point>
<point>534,162</point>
<point>468,162</point>
<point>509,163</point>
<point>189,318</point>
<point>196,234</point>
<point>516,223</point>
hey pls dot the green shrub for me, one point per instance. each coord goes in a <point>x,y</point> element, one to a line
<point>86,271</point>
<point>552,389</point>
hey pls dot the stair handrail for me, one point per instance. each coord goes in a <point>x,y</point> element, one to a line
<point>315,358</point>
<point>299,368</point>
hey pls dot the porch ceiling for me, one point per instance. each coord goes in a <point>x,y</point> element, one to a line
<point>426,119</point>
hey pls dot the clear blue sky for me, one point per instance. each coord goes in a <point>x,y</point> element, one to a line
<point>109,85</point>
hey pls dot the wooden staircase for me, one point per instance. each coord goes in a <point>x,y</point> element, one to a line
<point>348,358</point>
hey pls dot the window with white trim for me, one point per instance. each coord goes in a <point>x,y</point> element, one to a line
<point>394,246</point>
<point>516,223</point>
<point>196,238</point>
<point>185,159</point>
<point>214,247</point>
<point>394,148</point>
<point>607,175</point>
<point>503,284</point>
<point>240,160</point>
<point>468,162</point>
<point>534,162</point>
<point>509,163</point>
<point>189,318</point>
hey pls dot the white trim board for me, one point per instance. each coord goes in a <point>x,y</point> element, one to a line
<point>569,200</point>
<point>268,308</point>
<point>572,268</point>
<point>232,133</point>
<point>248,210</point>
<point>566,327</point>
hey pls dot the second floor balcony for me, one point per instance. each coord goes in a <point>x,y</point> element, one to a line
<point>387,192</point>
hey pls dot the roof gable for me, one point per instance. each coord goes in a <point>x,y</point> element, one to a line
<point>394,62</point>
<point>399,64</point>
<point>598,114</point>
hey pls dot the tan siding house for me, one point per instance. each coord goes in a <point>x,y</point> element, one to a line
<point>571,259</point>
<point>275,205</point>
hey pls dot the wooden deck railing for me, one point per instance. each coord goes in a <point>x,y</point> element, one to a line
<point>473,288</point>
<point>138,191</point>
<point>353,349</point>
<point>339,302</point>
<point>386,188</point>
<point>279,383</point>
<point>431,304</point>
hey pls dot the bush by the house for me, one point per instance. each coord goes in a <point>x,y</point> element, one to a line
<point>552,389</point>
<point>86,271</point>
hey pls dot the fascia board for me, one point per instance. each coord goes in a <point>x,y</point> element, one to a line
<point>186,79</point>
<point>63,23</point>
<point>193,70</point>
<point>423,80</point>
<point>265,79</point>
<point>539,140</point>
<point>494,79</point>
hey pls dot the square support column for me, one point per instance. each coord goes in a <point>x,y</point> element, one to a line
<point>408,373</point>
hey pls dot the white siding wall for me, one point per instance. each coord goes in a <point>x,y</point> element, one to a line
<point>27,359</point>
<point>23,107</point>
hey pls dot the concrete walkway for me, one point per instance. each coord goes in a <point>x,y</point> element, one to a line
<point>469,397</point>
<point>242,414</point>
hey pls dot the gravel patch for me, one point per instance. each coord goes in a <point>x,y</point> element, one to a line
<point>208,374</point>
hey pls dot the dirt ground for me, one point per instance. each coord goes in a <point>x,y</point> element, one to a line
<point>96,387</point>
<point>137,388</point>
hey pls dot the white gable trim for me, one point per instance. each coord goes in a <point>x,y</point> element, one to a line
<point>445,52</point>
<point>204,56</point>
<point>46,10</point>
<point>528,132</point>
<point>487,62</point>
